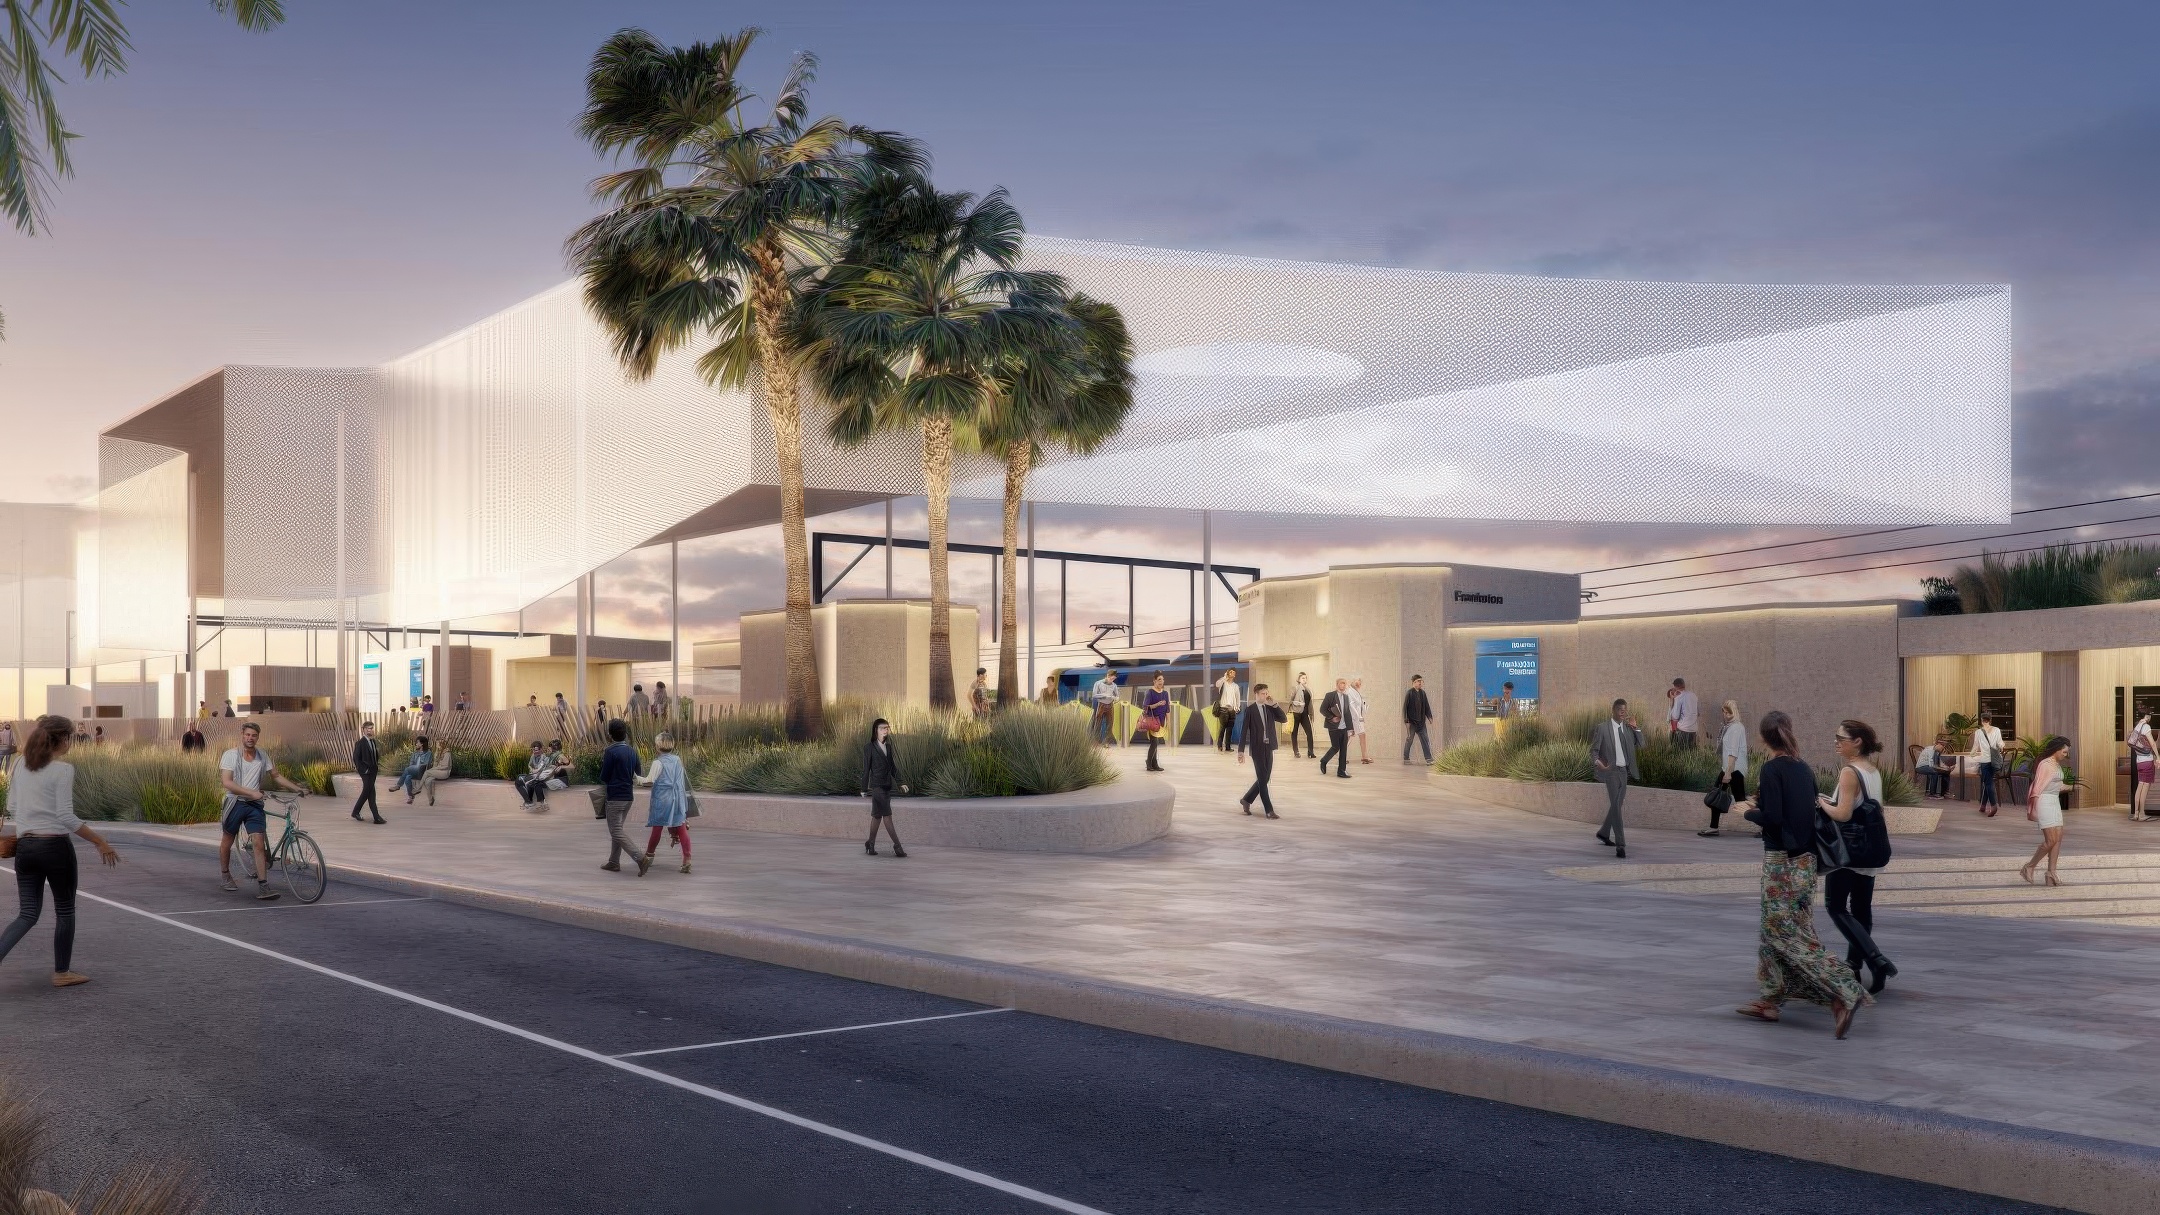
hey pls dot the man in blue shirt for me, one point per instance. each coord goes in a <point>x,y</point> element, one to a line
<point>619,770</point>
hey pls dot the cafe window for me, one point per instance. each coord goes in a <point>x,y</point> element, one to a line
<point>2001,703</point>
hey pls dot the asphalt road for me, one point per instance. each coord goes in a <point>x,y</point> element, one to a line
<point>485,1079</point>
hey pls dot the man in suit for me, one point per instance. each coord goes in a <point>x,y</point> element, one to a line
<point>1416,712</point>
<point>1335,712</point>
<point>1612,752</point>
<point>1257,731</point>
<point>366,762</point>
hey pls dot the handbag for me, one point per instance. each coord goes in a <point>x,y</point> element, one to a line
<point>598,794</point>
<point>1151,723</point>
<point>689,804</point>
<point>1719,799</point>
<point>1860,842</point>
<point>1831,851</point>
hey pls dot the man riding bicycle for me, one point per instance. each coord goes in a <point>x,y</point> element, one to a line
<point>242,771</point>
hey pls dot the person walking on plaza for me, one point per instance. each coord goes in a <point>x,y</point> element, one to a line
<point>366,764</point>
<point>880,776</point>
<point>1357,716</point>
<point>640,704</point>
<point>2044,807</point>
<point>41,800</point>
<point>1258,732</point>
<point>619,770</point>
<point>2142,753</point>
<point>1155,706</point>
<point>1682,716</point>
<point>1987,751</point>
<point>1732,762</point>
<point>1105,697</point>
<point>409,777</point>
<point>1791,964</point>
<point>1613,746</point>
<point>242,772</point>
<point>1335,715</point>
<point>562,713</point>
<point>1849,891</point>
<point>1416,713</point>
<point>1301,707</point>
<point>1228,701</point>
<point>660,699</point>
<point>979,694</point>
<point>193,740</point>
<point>668,809</point>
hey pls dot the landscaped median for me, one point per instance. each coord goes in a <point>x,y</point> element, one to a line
<point>1545,769</point>
<point>1028,779</point>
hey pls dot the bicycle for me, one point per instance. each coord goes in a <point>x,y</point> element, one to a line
<point>296,852</point>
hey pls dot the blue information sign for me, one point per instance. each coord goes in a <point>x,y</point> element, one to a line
<point>418,679</point>
<point>1501,662</point>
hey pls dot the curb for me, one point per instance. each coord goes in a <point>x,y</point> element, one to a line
<point>2044,1167</point>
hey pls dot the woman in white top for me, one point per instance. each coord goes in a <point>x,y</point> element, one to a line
<point>2046,807</point>
<point>1357,717</point>
<point>41,799</point>
<point>1732,761</point>
<point>1228,700</point>
<point>1849,893</point>
<point>1987,743</point>
<point>2142,753</point>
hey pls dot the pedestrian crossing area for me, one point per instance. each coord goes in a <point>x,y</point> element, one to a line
<point>2107,888</point>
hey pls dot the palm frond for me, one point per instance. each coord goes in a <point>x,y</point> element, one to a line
<point>254,15</point>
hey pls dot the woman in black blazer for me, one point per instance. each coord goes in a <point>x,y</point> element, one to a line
<point>879,776</point>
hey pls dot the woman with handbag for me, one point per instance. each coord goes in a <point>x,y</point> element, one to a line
<point>2141,762</point>
<point>1154,718</point>
<point>1731,783</point>
<point>1849,891</point>
<point>2043,805</point>
<point>1987,749</point>
<point>41,799</point>
<point>1790,962</point>
<point>668,809</point>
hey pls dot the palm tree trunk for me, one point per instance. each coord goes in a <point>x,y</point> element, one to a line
<point>937,487</point>
<point>1017,458</point>
<point>804,706</point>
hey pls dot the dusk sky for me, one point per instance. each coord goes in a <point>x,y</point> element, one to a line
<point>373,176</point>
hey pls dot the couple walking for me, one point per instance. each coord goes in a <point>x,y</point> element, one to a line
<point>669,809</point>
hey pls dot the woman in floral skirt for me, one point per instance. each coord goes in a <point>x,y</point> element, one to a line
<point>1791,963</point>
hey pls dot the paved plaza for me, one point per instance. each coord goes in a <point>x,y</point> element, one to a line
<point>1383,899</point>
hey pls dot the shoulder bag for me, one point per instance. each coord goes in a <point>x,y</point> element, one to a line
<point>1719,799</point>
<point>1860,842</point>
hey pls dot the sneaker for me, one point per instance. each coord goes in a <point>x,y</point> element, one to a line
<point>612,867</point>
<point>686,866</point>
<point>264,894</point>
<point>1708,832</point>
<point>225,882</point>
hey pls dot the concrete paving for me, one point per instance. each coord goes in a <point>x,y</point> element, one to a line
<point>1381,899</point>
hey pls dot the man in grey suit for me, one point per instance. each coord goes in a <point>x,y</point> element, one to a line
<point>1612,752</point>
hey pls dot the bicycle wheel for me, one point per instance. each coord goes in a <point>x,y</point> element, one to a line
<point>305,872</point>
<point>243,860</point>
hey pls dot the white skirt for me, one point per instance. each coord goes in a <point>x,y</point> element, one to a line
<point>2048,810</point>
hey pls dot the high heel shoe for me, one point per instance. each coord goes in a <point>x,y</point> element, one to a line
<point>2052,880</point>
<point>2025,871</point>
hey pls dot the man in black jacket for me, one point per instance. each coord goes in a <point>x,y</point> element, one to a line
<point>366,762</point>
<point>1257,731</point>
<point>1416,711</point>
<point>1335,712</point>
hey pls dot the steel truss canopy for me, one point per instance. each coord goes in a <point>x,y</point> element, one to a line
<point>499,464</point>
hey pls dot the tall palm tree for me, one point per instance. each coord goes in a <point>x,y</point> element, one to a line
<point>910,331</point>
<point>33,137</point>
<point>1072,388</point>
<point>717,229</point>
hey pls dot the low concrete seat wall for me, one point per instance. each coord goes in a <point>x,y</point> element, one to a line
<point>1107,818</point>
<point>1653,809</point>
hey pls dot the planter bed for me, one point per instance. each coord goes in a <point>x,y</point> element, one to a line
<point>1106,818</point>
<point>1652,809</point>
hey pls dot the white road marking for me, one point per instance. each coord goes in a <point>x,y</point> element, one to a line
<point>811,1033</point>
<point>743,1103</point>
<point>295,906</point>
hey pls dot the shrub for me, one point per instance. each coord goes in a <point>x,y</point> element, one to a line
<point>744,771</point>
<point>1561,760</point>
<point>313,776</point>
<point>1477,757</point>
<point>1665,766</point>
<point>179,806</point>
<point>110,782</point>
<point>812,769</point>
<point>1523,733</point>
<point>1045,751</point>
<point>975,770</point>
